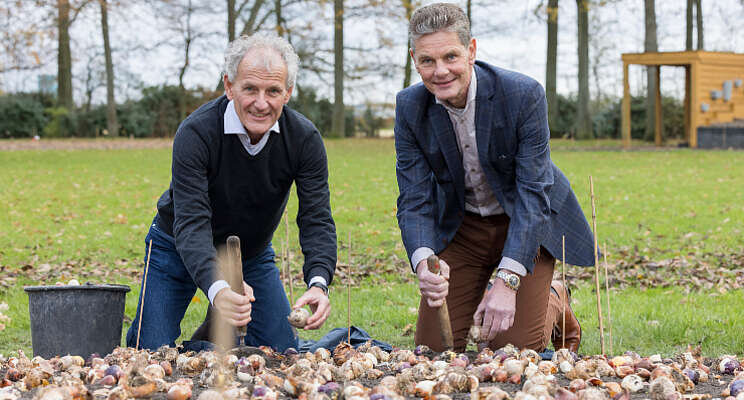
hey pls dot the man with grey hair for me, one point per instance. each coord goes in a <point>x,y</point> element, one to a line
<point>234,161</point>
<point>478,188</point>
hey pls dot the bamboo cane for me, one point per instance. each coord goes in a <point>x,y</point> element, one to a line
<point>286,257</point>
<point>282,266</point>
<point>607,289</point>
<point>596,267</point>
<point>565,289</point>
<point>348,294</point>
<point>144,289</point>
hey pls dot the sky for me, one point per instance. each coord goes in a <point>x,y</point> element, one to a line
<point>508,33</point>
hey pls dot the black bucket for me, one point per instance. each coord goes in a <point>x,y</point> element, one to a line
<point>77,320</point>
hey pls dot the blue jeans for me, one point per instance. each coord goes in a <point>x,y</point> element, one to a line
<point>170,290</point>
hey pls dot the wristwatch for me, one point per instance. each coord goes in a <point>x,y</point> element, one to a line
<point>323,287</point>
<point>511,280</point>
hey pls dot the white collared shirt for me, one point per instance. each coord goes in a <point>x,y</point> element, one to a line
<point>233,126</point>
<point>479,197</point>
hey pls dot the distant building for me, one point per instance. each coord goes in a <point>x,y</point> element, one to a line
<point>47,84</point>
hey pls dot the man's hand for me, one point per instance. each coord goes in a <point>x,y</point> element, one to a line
<point>319,304</point>
<point>433,287</point>
<point>234,308</point>
<point>495,313</point>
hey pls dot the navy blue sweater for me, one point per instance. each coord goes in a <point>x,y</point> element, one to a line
<point>218,189</point>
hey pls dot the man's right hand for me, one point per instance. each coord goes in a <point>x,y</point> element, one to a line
<point>433,288</point>
<point>234,308</point>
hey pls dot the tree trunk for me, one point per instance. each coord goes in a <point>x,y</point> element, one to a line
<point>408,5</point>
<point>650,45</point>
<point>278,11</point>
<point>64,59</point>
<point>688,25</point>
<point>186,62</point>
<point>699,9</point>
<point>583,117</point>
<point>468,7</point>
<point>231,16</point>
<point>111,122</point>
<point>337,125</point>
<point>550,70</point>
<point>248,28</point>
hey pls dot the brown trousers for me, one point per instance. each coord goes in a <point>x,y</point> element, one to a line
<point>473,255</point>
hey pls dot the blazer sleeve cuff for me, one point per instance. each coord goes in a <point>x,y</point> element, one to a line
<point>513,266</point>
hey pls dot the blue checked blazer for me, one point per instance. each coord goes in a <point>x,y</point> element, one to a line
<point>512,137</point>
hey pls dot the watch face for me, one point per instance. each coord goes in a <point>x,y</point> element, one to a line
<point>511,280</point>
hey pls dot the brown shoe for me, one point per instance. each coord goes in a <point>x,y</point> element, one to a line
<point>572,333</point>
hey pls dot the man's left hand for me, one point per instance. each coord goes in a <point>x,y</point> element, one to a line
<point>495,313</point>
<point>319,304</point>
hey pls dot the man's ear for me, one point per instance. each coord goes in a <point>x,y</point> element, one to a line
<point>410,52</point>
<point>471,51</point>
<point>228,87</point>
<point>288,95</point>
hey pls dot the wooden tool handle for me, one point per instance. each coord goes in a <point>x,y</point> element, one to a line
<point>445,327</point>
<point>234,273</point>
<point>433,263</point>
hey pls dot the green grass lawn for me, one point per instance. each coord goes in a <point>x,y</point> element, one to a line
<point>88,210</point>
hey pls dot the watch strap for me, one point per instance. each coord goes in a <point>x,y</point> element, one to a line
<point>321,286</point>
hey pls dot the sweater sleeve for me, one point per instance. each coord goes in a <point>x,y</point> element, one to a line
<point>317,229</point>
<point>192,227</point>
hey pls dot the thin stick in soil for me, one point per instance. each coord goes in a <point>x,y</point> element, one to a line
<point>285,256</point>
<point>565,290</point>
<point>596,267</point>
<point>348,295</point>
<point>607,291</point>
<point>142,298</point>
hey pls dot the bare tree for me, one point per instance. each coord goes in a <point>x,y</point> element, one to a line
<point>28,45</point>
<point>583,118</point>
<point>64,57</point>
<point>409,6</point>
<point>699,17</point>
<point>279,26</point>
<point>257,15</point>
<point>688,25</point>
<point>111,121</point>
<point>552,61</point>
<point>182,19</point>
<point>650,45</point>
<point>468,10</point>
<point>338,124</point>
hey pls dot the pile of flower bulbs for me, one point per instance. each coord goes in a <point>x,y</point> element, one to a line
<point>366,373</point>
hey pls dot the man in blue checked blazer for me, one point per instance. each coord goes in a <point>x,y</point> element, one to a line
<point>478,188</point>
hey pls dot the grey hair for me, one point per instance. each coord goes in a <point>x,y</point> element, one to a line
<point>438,17</point>
<point>237,49</point>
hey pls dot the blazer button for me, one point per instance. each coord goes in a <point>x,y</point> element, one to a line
<point>444,241</point>
<point>459,214</point>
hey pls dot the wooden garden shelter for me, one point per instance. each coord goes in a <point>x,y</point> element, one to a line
<point>713,89</point>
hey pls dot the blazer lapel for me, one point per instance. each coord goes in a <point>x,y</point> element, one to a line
<point>487,118</point>
<point>445,135</point>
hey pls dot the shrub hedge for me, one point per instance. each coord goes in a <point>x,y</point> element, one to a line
<point>162,108</point>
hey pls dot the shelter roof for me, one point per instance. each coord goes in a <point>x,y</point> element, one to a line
<point>682,58</point>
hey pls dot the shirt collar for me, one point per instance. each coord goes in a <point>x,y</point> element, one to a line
<point>472,88</point>
<point>233,125</point>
